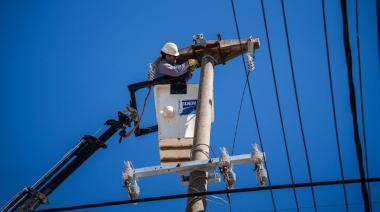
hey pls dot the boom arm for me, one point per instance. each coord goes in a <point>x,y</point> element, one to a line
<point>30,198</point>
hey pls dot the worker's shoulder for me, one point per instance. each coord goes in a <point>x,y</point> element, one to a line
<point>163,64</point>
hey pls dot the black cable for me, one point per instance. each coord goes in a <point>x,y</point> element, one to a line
<point>207,193</point>
<point>278,105</point>
<point>378,28</point>
<point>333,102</point>
<point>361,99</point>
<point>320,206</point>
<point>358,146</point>
<point>297,102</point>
<point>251,98</point>
<point>229,200</point>
<point>238,117</point>
<point>245,71</point>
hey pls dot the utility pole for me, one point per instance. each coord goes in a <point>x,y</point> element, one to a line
<point>201,144</point>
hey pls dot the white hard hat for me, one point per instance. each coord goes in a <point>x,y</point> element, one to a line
<point>170,49</point>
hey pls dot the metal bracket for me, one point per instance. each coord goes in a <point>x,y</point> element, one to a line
<point>199,39</point>
<point>221,55</point>
<point>212,177</point>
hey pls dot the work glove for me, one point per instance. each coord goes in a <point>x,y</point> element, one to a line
<point>193,64</point>
<point>188,76</point>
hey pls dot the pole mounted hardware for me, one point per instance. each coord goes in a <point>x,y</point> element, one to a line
<point>224,163</point>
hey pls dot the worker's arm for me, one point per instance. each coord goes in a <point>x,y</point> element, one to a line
<point>174,71</point>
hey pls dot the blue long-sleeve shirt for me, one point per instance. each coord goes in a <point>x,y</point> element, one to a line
<point>166,69</point>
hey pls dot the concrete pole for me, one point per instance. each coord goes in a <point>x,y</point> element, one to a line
<point>201,144</point>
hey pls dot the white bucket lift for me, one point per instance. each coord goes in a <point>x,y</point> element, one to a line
<point>176,113</point>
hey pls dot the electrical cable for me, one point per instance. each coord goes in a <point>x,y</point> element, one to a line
<point>333,102</point>
<point>319,206</point>
<point>279,106</point>
<point>251,99</point>
<point>238,117</point>
<point>378,28</point>
<point>297,103</point>
<point>207,193</point>
<point>229,201</point>
<point>361,99</point>
<point>358,146</point>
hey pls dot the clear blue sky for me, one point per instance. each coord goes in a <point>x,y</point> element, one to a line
<point>65,67</point>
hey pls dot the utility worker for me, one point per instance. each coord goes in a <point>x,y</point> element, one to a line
<point>167,66</point>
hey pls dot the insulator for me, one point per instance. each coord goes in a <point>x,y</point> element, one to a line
<point>128,171</point>
<point>250,54</point>
<point>231,178</point>
<point>257,156</point>
<point>261,175</point>
<point>224,160</point>
<point>251,65</point>
<point>134,190</point>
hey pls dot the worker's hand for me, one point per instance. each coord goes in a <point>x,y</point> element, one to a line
<point>193,64</point>
<point>188,75</point>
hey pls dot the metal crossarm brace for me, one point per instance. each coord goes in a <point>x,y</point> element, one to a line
<point>224,163</point>
<point>185,167</point>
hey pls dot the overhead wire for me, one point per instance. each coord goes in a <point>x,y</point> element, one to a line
<point>361,99</point>
<point>251,100</point>
<point>320,206</point>
<point>238,117</point>
<point>278,105</point>
<point>298,105</point>
<point>378,30</point>
<point>358,146</point>
<point>207,193</point>
<point>333,102</point>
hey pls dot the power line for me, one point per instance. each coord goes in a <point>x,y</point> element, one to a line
<point>238,117</point>
<point>378,28</point>
<point>333,102</point>
<point>251,98</point>
<point>361,98</point>
<point>297,102</point>
<point>320,206</point>
<point>358,146</point>
<point>207,193</point>
<point>278,105</point>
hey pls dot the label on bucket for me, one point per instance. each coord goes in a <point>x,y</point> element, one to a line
<point>187,107</point>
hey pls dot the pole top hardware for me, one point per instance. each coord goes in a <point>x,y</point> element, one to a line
<point>221,50</point>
